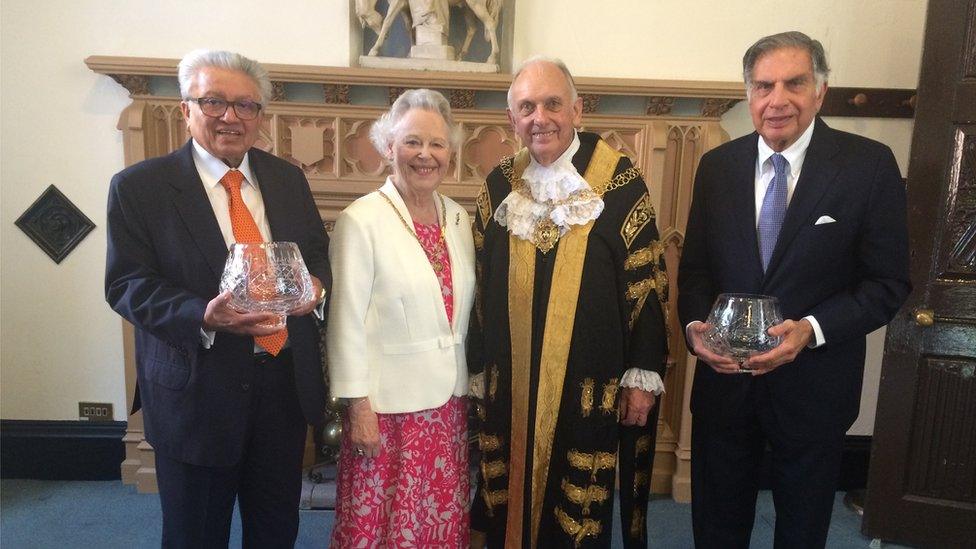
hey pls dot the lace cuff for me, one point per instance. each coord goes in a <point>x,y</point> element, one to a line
<point>644,380</point>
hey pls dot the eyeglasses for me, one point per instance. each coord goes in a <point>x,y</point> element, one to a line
<point>216,107</point>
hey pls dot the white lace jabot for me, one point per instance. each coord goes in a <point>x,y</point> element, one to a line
<point>555,194</point>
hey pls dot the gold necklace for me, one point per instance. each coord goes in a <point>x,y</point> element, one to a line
<point>441,242</point>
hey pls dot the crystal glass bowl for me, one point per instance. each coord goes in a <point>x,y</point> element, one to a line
<point>737,325</point>
<point>266,277</point>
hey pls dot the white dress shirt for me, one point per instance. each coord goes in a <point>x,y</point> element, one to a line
<point>212,170</point>
<point>795,154</point>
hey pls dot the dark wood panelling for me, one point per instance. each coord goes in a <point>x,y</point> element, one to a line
<point>869,102</point>
<point>943,442</point>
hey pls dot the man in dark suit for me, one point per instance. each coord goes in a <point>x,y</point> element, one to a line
<point>225,396</point>
<point>817,218</point>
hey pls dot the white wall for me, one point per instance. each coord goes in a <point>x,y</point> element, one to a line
<point>59,341</point>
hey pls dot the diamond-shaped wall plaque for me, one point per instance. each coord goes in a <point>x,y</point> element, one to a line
<point>55,224</point>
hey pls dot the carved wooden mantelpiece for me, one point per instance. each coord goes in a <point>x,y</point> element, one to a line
<point>319,119</point>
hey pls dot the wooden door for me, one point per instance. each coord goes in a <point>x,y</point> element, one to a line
<point>922,483</point>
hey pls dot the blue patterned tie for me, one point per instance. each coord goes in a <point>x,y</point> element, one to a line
<point>773,209</point>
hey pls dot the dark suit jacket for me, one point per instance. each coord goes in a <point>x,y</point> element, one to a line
<point>165,257</point>
<point>851,275</point>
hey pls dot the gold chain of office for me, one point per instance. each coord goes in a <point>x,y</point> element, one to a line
<point>441,242</point>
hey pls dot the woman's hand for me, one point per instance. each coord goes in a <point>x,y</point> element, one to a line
<point>365,435</point>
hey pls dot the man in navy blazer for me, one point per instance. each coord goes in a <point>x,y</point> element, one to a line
<point>817,218</point>
<point>226,418</point>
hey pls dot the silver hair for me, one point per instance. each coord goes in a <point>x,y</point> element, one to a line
<point>192,62</point>
<point>791,39</point>
<point>573,95</point>
<point>381,134</point>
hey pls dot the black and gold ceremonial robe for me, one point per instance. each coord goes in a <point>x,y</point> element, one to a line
<point>555,331</point>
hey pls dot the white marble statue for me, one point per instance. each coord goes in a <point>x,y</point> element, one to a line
<point>430,22</point>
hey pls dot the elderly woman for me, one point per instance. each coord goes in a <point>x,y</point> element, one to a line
<point>403,266</point>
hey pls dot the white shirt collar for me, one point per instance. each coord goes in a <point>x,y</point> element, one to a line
<point>557,181</point>
<point>212,169</point>
<point>564,159</point>
<point>794,154</point>
<point>554,195</point>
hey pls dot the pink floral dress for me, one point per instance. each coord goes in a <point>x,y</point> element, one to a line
<point>416,492</point>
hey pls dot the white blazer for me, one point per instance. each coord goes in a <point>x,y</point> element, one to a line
<point>388,336</point>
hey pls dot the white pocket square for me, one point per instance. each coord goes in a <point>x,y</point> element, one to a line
<point>824,219</point>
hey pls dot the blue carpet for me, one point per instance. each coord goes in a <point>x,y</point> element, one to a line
<point>53,514</point>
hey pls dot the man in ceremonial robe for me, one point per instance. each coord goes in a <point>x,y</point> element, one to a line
<point>572,341</point>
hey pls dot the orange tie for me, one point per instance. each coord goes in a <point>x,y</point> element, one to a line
<point>246,232</point>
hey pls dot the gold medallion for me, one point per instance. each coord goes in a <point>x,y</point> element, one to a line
<point>546,235</point>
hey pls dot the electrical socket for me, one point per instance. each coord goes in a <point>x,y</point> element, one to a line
<point>95,411</point>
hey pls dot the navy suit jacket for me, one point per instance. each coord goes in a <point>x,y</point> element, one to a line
<point>165,257</point>
<point>851,274</point>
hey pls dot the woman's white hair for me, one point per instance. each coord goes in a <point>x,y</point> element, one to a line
<point>381,134</point>
<point>192,62</point>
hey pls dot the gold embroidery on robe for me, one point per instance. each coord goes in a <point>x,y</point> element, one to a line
<point>521,277</point>
<point>640,215</point>
<point>640,289</point>
<point>640,479</point>
<point>643,256</point>
<point>652,254</point>
<point>607,404</point>
<point>599,173</point>
<point>583,497</point>
<point>493,469</point>
<point>661,288</point>
<point>484,205</point>
<point>578,530</point>
<point>642,445</point>
<point>586,397</point>
<point>594,463</point>
<point>489,443</point>
<point>493,382</point>
<point>556,342</point>
<point>637,524</point>
<point>479,239</point>
<point>661,284</point>
<point>492,499</point>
